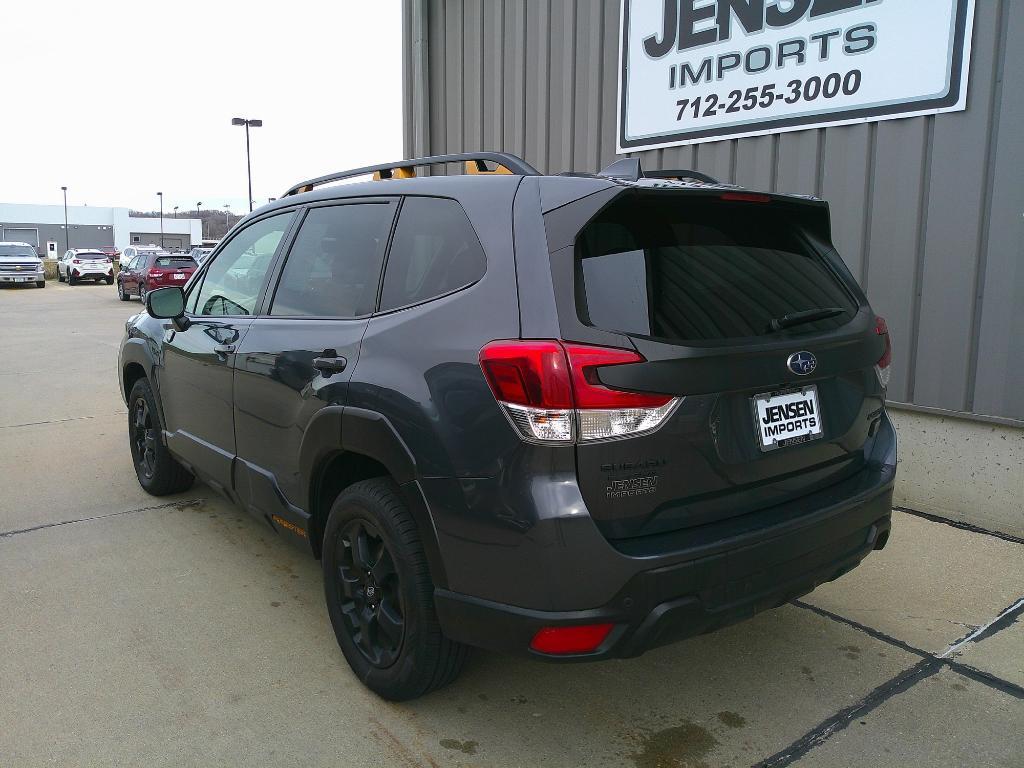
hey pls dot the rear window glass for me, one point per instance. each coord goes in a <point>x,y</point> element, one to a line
<point>175,261</point>
<point>435,251</point>
<point>702,270</point>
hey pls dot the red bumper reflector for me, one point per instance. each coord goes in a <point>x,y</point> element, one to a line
<point>580,639</point>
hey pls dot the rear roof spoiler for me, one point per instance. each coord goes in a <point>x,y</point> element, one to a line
<point>506,163</point>
<point>628,169</point>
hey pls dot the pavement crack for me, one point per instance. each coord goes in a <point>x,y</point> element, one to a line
<point>962,526</point>
<point>181,504</point>
<point>820,734</point>
<point>61,421</point>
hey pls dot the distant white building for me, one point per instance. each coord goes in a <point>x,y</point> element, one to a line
<point>42,226</point>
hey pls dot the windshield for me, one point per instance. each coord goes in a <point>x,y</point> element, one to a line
<point>700,270</point>
<point>18,250</point>
<point>182,262</point>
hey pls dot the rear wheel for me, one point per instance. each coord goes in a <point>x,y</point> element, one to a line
<point>71,278</point>
<point>60,277</point>
<point>159,473</point>
<point>380,595</point>
<point>109,280</point>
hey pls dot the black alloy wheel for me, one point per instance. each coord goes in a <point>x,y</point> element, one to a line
<point>144,438</point>
<point>371,599</point>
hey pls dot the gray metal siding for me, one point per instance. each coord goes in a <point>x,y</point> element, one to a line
<point>926,211</point>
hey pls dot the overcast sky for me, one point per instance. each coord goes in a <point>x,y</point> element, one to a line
<point>119,100</point>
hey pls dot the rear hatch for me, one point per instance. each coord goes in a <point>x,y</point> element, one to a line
<point>742,311</point>
<point>173,269</point>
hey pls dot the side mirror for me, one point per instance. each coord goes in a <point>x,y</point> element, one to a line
<point>166,303</point>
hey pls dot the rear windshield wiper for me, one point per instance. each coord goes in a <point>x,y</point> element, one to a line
<point>799,318</point>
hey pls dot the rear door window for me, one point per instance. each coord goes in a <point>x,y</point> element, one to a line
<point>435,251</point>
<point>333,268</point>
<point>686,269</point>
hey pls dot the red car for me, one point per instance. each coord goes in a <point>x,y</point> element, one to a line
<point>144,268</point>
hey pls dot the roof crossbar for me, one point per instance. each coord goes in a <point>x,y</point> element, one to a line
<point>404,168</point>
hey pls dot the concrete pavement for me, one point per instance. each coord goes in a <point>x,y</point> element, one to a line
<point>142,631</point>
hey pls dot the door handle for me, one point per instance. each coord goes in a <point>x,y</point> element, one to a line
<point>223,350</point>
<point>331,362</point>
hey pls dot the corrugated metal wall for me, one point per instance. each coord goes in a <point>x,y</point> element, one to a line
<point>928,212</point>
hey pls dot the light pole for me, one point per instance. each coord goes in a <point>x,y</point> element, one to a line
<point>161,196</point>
<point>227,211</point>
<point>247,122</point>
<point>175,211</point>
<point>67,229</point>
<point>200,221</point>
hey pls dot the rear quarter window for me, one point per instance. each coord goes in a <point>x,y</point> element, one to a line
<point>435,251</point>
<point>690,269</point>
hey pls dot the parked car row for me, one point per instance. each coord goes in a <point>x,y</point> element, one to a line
<point>142,268</point>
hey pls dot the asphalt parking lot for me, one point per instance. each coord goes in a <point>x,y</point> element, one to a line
<point>180,631</point>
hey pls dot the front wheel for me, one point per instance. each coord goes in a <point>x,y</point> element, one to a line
<point>142,293</point>
<point>159,473</point>
<point>380,596</point>
<point>60,277</point>
<point>121,293</point>
<point>40,283</point>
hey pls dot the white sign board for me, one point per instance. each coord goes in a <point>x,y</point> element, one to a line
<point>702,70</point>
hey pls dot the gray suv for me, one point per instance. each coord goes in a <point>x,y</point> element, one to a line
<point>572,416</point>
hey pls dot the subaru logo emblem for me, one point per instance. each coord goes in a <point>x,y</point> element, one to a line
<point>802,363</point>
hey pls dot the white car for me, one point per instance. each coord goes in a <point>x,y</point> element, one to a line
<point>84,264</point>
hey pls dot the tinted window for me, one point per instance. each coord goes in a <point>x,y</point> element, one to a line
<point>334,266</point>
<point>435,252</point>
<point>685,269</point>
<point>234,279</point>
<point>175,261</point>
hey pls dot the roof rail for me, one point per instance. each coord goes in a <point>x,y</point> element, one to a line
<point>628,169</point>
<point>404,168</point>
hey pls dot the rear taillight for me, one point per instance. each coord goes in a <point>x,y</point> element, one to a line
<point>884,365</point>
<point>551,392</point>
<point>76,261</point>
<point>156,272</point>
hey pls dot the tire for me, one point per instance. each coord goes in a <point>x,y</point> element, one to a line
<point>40,283</point>
<point>422,659</point>
<point>120,292</point>
<point>108,280</point>
<point>158,472</point>
<point>142,294</point>
<point>71,278</point>
<point>60,277</point>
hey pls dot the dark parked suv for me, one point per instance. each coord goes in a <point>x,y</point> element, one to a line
<point>571,416</point>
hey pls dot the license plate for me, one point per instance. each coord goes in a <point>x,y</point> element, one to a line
<point>179,275</point>
<point>787,418</point>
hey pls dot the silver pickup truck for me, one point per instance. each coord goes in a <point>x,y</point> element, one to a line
<point>19,263</point>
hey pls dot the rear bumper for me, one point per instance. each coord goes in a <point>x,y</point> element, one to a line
<point>700,592</point>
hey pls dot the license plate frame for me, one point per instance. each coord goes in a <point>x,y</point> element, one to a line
<point>784,396</point>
